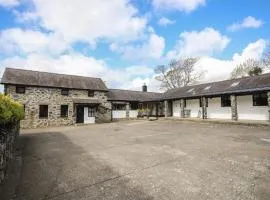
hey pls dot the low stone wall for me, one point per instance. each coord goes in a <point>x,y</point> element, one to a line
<point>8,135</point>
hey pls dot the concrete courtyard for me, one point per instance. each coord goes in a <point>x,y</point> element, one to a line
<point>144,160</point>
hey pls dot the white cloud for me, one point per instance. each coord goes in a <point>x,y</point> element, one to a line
<point>165,21</point>
<point>252,51</point>
<point>216,69</point>
<point>9,3</point>
<point>203,43</point>
<point>89,21</point>
<point>151,49</point>
<point>248,22</point>
<point>21,41</point>
<point>180,5</point>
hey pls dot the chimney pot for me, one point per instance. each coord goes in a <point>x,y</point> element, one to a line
<point>144,88</point>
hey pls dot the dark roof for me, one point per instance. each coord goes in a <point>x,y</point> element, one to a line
<point>240,85</point>
<point>128,95</point>
<point>46,79</point>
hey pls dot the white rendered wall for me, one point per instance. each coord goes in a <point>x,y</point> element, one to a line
<point>119,114</point>
<point>215,111</point>
<point>176,108</point>
<point>194,106</point>
<point>133,113</point>
<point>246,110</point>
<point>88,120</point>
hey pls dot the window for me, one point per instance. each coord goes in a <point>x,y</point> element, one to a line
<point>65,92</point>
<point>43,111</point>
<point>91,112</point>
<point>134,106</point>
<point>119,107</point>
<point>91,93</point>
<point>20,89</point>
<point>226,101</point>
<point>260,99</point>
<point>64,111</point>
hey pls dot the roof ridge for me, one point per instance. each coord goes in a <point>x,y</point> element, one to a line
<point>236,79</point>
<point>12,68</point>
<point>135,91</point>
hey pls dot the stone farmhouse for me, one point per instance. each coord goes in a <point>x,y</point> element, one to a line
<point>52,99</point>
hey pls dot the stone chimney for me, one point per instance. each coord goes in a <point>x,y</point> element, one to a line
<point>144,88</point>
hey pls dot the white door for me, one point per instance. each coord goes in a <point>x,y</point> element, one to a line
<point>89,115</point>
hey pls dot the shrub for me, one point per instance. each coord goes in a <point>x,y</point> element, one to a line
<point>10,110</point>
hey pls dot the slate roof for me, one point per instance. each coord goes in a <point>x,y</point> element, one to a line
<point>128,95</point>
<point>46,79</point>
<point>240,85</point>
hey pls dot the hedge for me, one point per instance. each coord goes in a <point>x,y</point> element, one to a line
<point>10,110</point>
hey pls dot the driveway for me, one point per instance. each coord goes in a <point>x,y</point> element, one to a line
<point>145,160</point>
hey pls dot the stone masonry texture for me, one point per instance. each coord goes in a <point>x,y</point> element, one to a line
<point>234,107</point>
<point>8,135</point>
<point>182,108</point>
<point>35,96</point>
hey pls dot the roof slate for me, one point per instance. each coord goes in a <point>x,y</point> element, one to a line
<point>240,85</point>
<point>128,95</point>
<point>46,79</point>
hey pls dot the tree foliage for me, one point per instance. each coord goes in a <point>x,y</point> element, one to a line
<point>249,67</point>
<point>10,110</point>
<point>178,73</point>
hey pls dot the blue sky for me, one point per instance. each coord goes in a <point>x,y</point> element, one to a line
<point>122,41</point>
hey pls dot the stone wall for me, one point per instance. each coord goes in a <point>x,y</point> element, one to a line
<point>234,107</point>
<point>8,135</point>
<point>35,96</point>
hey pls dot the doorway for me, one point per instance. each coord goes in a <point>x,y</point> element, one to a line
<point>80,114</point>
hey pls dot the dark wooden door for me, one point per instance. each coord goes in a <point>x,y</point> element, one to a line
<point>80,114</point>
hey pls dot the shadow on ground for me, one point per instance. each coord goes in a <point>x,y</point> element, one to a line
<point>53,167</point>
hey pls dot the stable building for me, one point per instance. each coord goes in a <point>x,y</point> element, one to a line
<point>238,99</point>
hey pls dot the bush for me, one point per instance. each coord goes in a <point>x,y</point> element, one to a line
<point>10,110</point>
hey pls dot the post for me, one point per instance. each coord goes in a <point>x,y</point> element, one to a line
<point>127,110</point>
<point>234,107</point>
<point>157,110</point>
<point>166,108</point>
<point>182,108</point>
<point>268,94</point>
<point>204,107</point>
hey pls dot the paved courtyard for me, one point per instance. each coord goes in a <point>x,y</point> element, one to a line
<point>145,160</point>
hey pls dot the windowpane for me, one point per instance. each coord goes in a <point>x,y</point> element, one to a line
<point>91,111</point>
<point>91,93</point>
<point>134,106</point>
<point>260,99</point>
<point>226,101</point>
<point>65,92</point>
<point>64,110</point>
<point>43,111</point>
<point>20,89</point>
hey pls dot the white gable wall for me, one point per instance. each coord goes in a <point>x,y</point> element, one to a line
<point>194,106</point>
<point>215,111</point>
<point>246,110</point>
